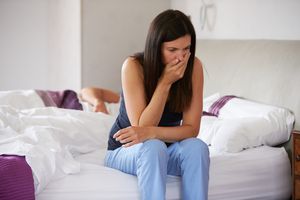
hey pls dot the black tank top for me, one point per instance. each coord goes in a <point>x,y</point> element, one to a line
<point>168,119</point>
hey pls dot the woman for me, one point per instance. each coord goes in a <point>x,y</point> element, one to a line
<point>159,118</point>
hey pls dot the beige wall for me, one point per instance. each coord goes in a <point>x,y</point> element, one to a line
<point>111,31</point>
<point>40,44</point>
<point>67,44</point>
<point>23,47</point>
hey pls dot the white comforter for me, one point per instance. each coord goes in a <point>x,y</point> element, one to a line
<point>51,138</point>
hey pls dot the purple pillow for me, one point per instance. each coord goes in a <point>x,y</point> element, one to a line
<point>16,180</point>
<point>62,99</point>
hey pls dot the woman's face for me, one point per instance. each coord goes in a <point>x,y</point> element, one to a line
<point>176,49</point>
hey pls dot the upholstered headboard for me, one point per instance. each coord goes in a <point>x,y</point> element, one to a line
<point>266,71</point>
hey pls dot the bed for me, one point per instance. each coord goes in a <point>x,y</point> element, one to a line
<point>264,72</point>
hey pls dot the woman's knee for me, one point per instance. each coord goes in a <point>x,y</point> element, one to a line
<point>154,147</point>
<point>195,146</point>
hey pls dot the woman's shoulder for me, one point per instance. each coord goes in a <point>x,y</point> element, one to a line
<point>132,66</point>
<point>197,65</point>
<point>131,62</point>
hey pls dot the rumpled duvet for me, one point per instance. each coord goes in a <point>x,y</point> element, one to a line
<point>50,138</point>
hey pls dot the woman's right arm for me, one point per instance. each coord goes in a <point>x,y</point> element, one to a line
<point>144,117</point>
<point>139,112</point>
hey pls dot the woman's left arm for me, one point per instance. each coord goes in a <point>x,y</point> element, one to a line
<point>190,123</point>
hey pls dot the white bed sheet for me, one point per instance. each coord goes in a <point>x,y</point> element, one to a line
<point>259,173</point>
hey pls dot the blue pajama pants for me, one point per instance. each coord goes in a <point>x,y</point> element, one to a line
<point>152,160</point>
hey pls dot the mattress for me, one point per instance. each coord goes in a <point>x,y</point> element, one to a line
<point>259,173</point>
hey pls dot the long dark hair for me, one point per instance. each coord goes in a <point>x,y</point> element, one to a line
<point>168,26</point>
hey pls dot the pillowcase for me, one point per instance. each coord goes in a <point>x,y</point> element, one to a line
<point>243,124</point>
<point>280,118</point>
<point>236,134</point>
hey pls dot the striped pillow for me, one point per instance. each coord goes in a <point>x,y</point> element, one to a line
<point>16,180</point>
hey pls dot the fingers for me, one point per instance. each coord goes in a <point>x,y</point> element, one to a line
<point>175,62</point>
<point>124,138</point>
<point>186,59</point>
<point>121,134</point>
<point>129,144</point>
<point>181,66</point>
<point>127,136</point>
<point>182,62</point>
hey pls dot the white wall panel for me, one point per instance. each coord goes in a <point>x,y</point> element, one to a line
<point>245,19</point>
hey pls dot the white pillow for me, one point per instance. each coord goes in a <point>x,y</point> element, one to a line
<point>21,99</point>
<point>234,135</point>
<point>280,118</point>
<point>245,124</point>
<point>208,128</point>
